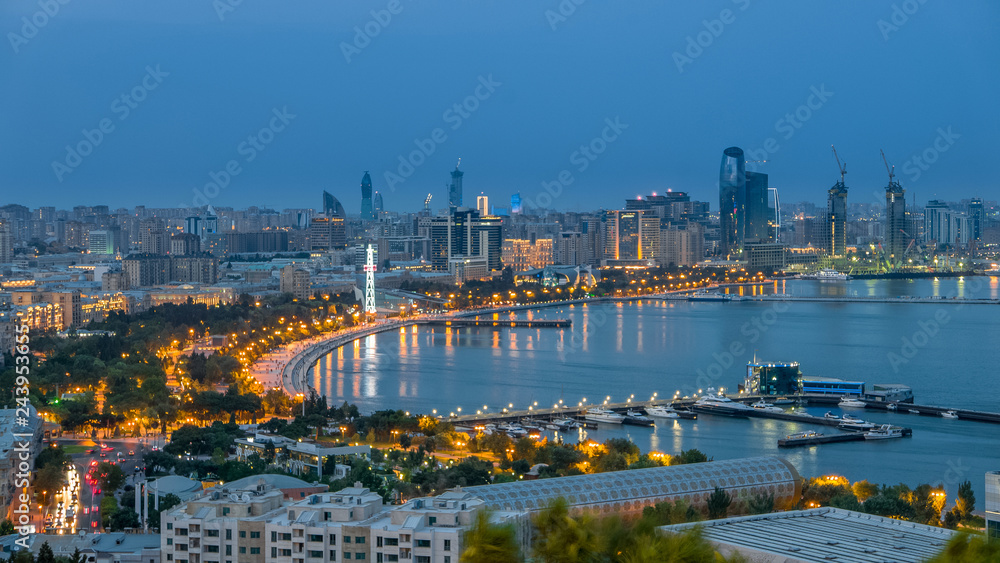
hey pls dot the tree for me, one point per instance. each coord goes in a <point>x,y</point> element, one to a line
<point>968,548</point>
<point>109,476</point>
<point>688,456</point>
<point>718,504</point>
<point>761,504</point>
<point>6,527</point>
<point>77,557</point>
<point>50,479</point>
<point>486,542</point>
<point>124,518</point>
<point>45,554</point>
<point>966,502</point>
<point>560,538</point>
<point>864,490</point>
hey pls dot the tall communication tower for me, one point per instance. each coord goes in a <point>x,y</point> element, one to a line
<point>370,282</point>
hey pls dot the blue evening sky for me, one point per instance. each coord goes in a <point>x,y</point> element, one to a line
<point>921,85</point>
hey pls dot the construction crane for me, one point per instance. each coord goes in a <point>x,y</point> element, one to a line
<point>427,202</point>
<point>891,171</point>
<point>842,167</point>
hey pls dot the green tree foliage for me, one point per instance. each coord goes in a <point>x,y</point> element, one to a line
<point>124,518</point>
<point>51,456</point>
<point>688,456</point>
<point>50,479</point>
<point>561,538</point>
<point>6,527</point>
<point>761,504</point>
<point>718,504</point>
<point>487,542</point>
<point>667,513</point>
<point>966,501</point>
<point>968,548</point>
<point>109,476</point>
<point>196,440</point>
<point>864,490</point>
<point>45,554</point>
<point>109,506</point>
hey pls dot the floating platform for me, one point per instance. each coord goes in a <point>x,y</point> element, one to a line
<point>829,439</point>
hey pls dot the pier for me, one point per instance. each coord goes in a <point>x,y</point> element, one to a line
<point>829,439</point>
<point>862,299</point>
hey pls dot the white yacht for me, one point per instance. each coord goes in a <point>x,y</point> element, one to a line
<point>600,414</point>
<point>512,430</point>
<point>949,414</point>
<point>662,412</point>
<point>566,424</point>
<point>826,274</point>
<point>716,403</point>
<point>850,402</point>
<point>891,407</point>
<point>764,406</point>
<point>855,424</point>
<point>883,432</point>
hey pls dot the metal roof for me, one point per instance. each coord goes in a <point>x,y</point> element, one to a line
<point>633,489</point>
<point>827,534</point>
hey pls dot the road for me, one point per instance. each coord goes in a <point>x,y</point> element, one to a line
<point>85,499</point>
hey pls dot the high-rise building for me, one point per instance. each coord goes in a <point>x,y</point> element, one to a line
<point>515,203</point>
<point>455,189</point>
<point>192,225</point>
<point>211,224</point>
<point>153,237</point>
<point>367,208</point>
<point>993,505</point>
<point>732,195</point>
<point>977,218</point>
<point>101,242</point>
<point>463,234</point>
<point>757,224</point>
<point>194,268</point>
<point>6,244</point>
<point>897,228</point>
<point>569,249</point>
<point>682,244</point>
<point>943,225</point>
<point>327,233</point>
<point>632,236</point>
<point>836,219</point>
<point>483,205</point>
<point>378,203</point>
<point>184,243</point>
<point>144,270</point>
<point>332,206</point>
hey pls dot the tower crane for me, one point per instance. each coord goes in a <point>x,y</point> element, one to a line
<point>841,166</point>
<point>891,171</point>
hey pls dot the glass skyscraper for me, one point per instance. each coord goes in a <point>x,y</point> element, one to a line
<point>332,207</point>
<point>757,224</point>
<point>367,209</point>
<point>732,202</point>
<point>455,190</point>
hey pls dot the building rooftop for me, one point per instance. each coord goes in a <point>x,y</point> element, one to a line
<point>824,535</point>
<point>636,487</point>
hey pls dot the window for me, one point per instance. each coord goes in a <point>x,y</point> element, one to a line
<point>170,526</point>
<point>229,534</point>
<point>274,552</point>
<point>170,541</point>
<point>423,559</point>
<point>378,541</point>
<point>212,533</point>
<point>212,548</point>
<point>447,545</point>
<point>333,555</point>
<point>347,555</point>
<point>316,554</point>
<point>229,550</point>
<point>423,543</point>
<point>447,559</point>
<point>243,533</point>
<point>431,520</point>
<point>359,539</point>
<point>333,539</point>
<point>254,535</point>
<point>170,557</point>
<point>274,536</point>
<point>243,550</point>
<point>391,541</point>
<point>254,551</point>
<point>181,547</point>
<point>225,511</point>
<point>315,537</point>
<point>359,555</point>
<point>347,539</point>
<point>181,532</point>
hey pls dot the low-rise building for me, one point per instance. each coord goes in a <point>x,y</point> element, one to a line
<point>993,505</point>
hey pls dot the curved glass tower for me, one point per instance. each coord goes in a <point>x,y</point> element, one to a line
<point>732,204</point>
<point>367,212</point>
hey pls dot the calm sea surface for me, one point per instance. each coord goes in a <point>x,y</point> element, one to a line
<point>949,354</point>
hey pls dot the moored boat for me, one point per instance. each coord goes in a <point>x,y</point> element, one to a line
<point>764,406</point>
<point>884,432</point>
<point>662,412</point>
<point>949,414</point>
<point>600,414</point>
<point>850,402</point>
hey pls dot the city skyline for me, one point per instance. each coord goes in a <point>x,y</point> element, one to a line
<point>512,138</point>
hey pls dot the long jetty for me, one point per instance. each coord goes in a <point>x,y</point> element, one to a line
<point>867,299</point>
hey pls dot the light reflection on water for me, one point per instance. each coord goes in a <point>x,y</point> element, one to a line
<point>613,349</point>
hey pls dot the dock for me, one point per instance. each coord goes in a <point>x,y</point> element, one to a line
<point>829,439</point>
